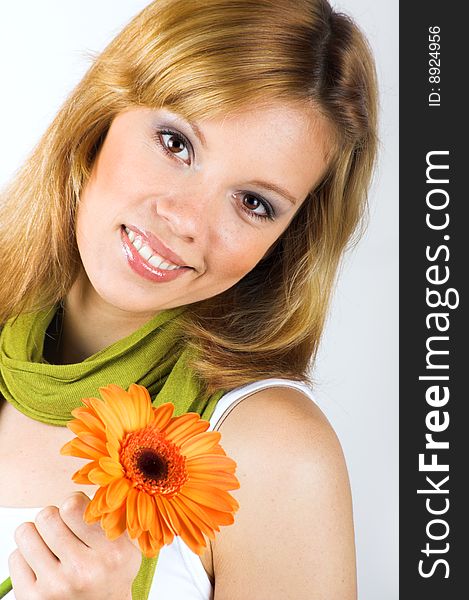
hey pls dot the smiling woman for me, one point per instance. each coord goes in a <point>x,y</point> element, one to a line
<point>198,210</point>
<point>190,205</point>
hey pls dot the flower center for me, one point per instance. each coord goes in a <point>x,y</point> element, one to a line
<point>153,463</point>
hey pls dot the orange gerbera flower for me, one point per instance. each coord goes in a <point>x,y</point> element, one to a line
<point>160,475</point>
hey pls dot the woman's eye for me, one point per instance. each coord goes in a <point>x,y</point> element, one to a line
<point>175,145</point>
<point>257,207</point>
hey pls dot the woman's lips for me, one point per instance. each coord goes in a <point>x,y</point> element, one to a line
<point>143,268</point>
<point>157,246</point>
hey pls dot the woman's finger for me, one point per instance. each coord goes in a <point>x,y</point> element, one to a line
<point>34,550</point>
<point>62,542</point>
<point>71,513</point>
<point>22,576</point>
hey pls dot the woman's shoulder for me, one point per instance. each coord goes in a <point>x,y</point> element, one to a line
<point>294,528</point>
<point>283,422</point>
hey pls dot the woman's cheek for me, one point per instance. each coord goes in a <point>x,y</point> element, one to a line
<point>237,262</point>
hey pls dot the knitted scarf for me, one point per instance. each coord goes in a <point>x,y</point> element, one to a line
<point>152,356</point>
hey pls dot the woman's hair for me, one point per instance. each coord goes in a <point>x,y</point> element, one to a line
<point>203,58</point>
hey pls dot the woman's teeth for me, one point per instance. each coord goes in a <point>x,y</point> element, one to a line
<point>148,254</point>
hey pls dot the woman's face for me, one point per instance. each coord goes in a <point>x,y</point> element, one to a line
<point>207,198</point>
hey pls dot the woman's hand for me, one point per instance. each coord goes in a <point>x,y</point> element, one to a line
<point>60,556</point>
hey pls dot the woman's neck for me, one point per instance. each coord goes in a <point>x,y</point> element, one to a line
<point>89,324</point>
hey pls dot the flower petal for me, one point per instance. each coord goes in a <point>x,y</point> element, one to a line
<point>210,496</point>
<point>100,477</point>
<point>162,508</point>
<point>133,527</point>
<point>81,476</point>
<point>142,405</point>
<point>185,424</point>
<point>223,481</point>
<point>161,524</point>
<point>208,462</point>
<point>108,417</point>
<point>162,415</point>
<point>119,402</point>
<point>149,546</point>
<point>101,504</point>
<point>94,510</point>
<point>201,443</point>
<point>111,466</point>
<point>79,449</point>
<point>89,420</point>
<point>113,450</point>
<point>181,436</point>
<point>146,510</point>
<point>93,441</point>
<point>117,492</point>
<point>184,527</point>
<point>201,520</point>
<point>210,515</point>
<point>114,523</point>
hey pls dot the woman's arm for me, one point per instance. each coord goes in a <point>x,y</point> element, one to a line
<point>293,534</point>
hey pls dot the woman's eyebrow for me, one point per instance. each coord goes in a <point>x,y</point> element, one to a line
<point>274,188</point>
<point>198,133</point>
<point>181,119</point>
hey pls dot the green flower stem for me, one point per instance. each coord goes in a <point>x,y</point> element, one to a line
<point>5,587</point>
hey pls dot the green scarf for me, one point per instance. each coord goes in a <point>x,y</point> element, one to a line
<point>152,356</point>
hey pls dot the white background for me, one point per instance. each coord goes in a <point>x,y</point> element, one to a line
<point>357,370</point>
<point>44,50</point>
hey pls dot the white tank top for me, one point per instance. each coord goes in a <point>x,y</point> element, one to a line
<point>179,573</point>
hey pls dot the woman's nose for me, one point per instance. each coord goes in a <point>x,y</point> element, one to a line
<point>186,213</point>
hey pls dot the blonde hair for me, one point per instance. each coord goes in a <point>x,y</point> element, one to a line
<point>201,58</point>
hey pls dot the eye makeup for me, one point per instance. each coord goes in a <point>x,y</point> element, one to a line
<point>159,133</point>
<point>269,210</point>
